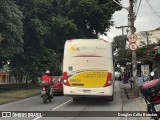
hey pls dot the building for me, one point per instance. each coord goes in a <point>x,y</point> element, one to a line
<point>4,77</point>
<point>148,37</point>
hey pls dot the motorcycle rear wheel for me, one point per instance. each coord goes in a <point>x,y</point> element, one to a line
<point>44,99</point>
<point>50,100</point>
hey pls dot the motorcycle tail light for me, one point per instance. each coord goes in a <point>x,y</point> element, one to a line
<point>156,100</point>
<point>43,89</point>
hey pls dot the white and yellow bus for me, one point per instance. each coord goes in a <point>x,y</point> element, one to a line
<point>88,68</point>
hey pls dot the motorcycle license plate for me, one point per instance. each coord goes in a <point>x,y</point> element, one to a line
<point>43,92</point>
<point>157,107</point>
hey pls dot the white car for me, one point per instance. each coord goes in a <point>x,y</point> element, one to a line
<point>117,75</point>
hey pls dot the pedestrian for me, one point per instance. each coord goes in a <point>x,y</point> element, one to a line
<point>124,78</point>
<point>131,82</point>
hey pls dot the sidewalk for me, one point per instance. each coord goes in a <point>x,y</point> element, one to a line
<point>130,103</point>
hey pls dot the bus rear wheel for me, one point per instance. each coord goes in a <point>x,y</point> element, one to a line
<point>110,98</point>
<point>75,99</point>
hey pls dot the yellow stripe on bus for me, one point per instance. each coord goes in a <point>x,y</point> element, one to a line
<point>89,79</point>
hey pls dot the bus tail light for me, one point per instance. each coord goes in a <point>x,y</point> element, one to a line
<point>65,79</point>
<point>109,80</point>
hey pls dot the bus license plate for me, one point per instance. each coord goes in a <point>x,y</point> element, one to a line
<point>43,92</point>
<point>157,107</point>
<point>86,91</point>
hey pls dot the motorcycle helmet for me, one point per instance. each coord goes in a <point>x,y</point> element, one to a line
<point>47,72</point>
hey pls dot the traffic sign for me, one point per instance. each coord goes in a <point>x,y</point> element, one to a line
<point>133,46</point>
<point>132,38</point>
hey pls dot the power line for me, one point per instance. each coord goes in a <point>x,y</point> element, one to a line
<point>134,5</point>
<point>122,27</point>
<point>126,8</point>
<point>138,9</point>
<point>154,11</point>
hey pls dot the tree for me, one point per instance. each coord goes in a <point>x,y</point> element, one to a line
<point>34,65</point>
<point>53,22</point>
<point>91,16</point>
<point>11,30</point>
<point>119,43</point>
<point>144,54</point>
<point>122,55</point>
<point>49,23</point>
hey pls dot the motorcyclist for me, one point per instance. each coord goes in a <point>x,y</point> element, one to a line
<point>46,78</point>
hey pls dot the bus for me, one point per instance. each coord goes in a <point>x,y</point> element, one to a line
<point>88,69</point>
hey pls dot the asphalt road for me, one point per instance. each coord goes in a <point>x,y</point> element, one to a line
<point>63,103</point>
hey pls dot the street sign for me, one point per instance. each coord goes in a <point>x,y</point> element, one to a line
<point>132,38</point>
<point>133,46</point>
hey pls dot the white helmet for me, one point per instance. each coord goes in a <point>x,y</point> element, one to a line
<point>47,72</point>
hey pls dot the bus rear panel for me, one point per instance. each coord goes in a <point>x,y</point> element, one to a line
<point>88,68</point>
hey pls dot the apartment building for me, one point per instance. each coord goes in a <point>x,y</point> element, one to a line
<point>148,37</point>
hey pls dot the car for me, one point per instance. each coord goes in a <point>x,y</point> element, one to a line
<point>117,75</point>
<point>57,84</point>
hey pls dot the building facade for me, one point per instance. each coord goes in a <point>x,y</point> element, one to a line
<point>148,37</point>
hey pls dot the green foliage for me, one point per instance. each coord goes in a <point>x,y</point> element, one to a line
<point>119,43</point>
<point>11,30</point>
<point>47,24</point>
<point>144,54</point>
<point>91,15</point>
<point>158,51</point>
<point>34,65</point>
<point>61,29</point>
<point>39,28</point>
<point>122,55</point>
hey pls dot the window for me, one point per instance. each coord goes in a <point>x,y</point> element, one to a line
<point>150,34</point>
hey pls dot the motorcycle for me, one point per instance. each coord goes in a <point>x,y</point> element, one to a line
<point>151,94</point>
<point>45,92</point>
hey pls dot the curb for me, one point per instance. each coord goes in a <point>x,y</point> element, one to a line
<point>142,106</point>
<point>139,101</point>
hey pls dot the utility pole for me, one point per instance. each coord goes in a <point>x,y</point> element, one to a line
<point>122,27</point>
<point>134,61</point>
<point>147,34</point>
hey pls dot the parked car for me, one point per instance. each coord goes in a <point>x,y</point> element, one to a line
<point>57,84</point>
<point>117,75</point>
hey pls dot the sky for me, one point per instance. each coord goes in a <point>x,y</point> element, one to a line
<point>146,19</point>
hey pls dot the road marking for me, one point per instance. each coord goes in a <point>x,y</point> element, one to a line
<point>62,104</point>
<point>38,117</point>
<point>54,109</point>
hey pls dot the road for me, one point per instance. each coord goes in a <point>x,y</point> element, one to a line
<point>63,103</point>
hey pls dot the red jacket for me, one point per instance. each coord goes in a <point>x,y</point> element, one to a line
<point>46,78</point>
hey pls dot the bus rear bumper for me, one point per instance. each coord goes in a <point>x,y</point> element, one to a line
<point>88,92</point>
